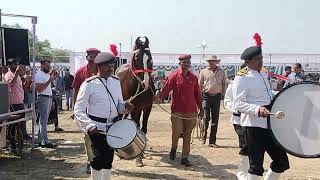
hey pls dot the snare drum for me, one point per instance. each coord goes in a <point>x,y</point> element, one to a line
<point>126,139</point>
<point>299,131</point>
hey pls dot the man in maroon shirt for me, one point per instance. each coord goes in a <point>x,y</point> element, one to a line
<point>185,99</point>
<point>81,75</point>
<point>85,71</point>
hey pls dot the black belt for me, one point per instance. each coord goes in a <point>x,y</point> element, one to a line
<point>98,119</point>
<point>237,114</point>
<point>211,95</point>
<point>43,95</point>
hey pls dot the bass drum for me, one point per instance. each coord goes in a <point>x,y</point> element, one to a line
<point>299,131</point>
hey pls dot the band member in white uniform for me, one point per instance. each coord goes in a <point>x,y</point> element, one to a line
<point>252,95</point>
<point>99,103</point>
<point>243,166</point>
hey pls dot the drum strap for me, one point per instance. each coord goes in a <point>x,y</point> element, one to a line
<point>268,107</point>
<point>109,93</point>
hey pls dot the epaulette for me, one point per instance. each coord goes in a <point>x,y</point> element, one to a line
<point>91,78</point>
<point>264,69</point>
<point>115,77</point>
<point>243,71</point>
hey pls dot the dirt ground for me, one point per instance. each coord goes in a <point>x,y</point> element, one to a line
<point>68,160</point>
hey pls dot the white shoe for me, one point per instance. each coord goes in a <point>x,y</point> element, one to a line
<point>95,174</point>
<point>243,168</point>
<point>272,175</point>
<point>252,177</point>
<point>106,174</point>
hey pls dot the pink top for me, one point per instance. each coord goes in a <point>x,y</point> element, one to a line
<point>16,89</point>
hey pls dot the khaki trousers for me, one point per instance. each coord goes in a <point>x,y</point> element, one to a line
<point>88,148</point>
<point>183,127</point>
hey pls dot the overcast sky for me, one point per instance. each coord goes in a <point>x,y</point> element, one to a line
<point>174,26</point>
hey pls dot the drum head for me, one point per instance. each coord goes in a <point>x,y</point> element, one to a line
<point>125,129</point>
<point>299,131</point>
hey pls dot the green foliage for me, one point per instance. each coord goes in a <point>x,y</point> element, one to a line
<point>44,49</point>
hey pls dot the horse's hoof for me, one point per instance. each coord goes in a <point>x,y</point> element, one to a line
<point>139,162</point>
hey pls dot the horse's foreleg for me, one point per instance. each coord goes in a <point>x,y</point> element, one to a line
<point>146,114</point>
<point>135,115</point>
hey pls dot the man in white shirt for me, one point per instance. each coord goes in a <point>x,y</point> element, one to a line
<point>252,96</point>
<point>243,166</point>
<point>98,104</point>
<point>43,79</point>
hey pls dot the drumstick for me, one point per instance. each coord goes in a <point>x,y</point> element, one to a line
<point>278,114</point>
<point>110,135</point>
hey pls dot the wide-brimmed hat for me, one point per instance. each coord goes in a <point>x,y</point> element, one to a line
<point>212,58</point>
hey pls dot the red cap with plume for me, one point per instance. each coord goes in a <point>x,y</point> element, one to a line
<point>113,49</point>
<point>257,38</point>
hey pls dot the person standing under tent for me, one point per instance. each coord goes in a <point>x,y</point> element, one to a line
<point>68,79</point>
<point>296,76</point>
<point>60,86</point>
<point>212,82</point>
<point>16,100</point>
<point>43,79</point>
<point>243,166</point>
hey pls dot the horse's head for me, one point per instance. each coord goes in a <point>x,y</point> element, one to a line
<point>142,59</point>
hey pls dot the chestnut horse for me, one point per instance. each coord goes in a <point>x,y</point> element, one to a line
<point>136,81</point>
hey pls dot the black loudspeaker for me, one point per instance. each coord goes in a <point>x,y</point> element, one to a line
<point>4,96</point>
<point>16,44</point>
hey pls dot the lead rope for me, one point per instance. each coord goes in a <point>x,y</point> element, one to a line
<point>199,123</point>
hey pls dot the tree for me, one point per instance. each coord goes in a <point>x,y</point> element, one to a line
<point>44,49</point>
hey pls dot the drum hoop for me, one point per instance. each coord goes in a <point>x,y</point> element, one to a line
<point>144,148</point>
<point>132,139</point>
<point>269,122</point>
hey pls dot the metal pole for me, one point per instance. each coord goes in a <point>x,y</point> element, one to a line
<point>34,23</point>
<point>16,121</point>
<point>1,55</point>
<point>202,58</point>
<point>18,15</point>
<point>120,57</point>
<point>131,44</point>
<point>270,59</point>
<point>3,48</point>
<point>16,112</point>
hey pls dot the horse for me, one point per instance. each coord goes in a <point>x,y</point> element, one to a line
<point>137,84</point>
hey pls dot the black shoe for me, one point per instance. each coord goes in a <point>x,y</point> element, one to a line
<point>213,145</point>
<point>185,162</point>
<point>58,129</point>
<point>203,142</point>
<point>13,151</point>
<point>27,137</point>
<point>172,155</point>
<point>88,170</point>
<point>48,145</point>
